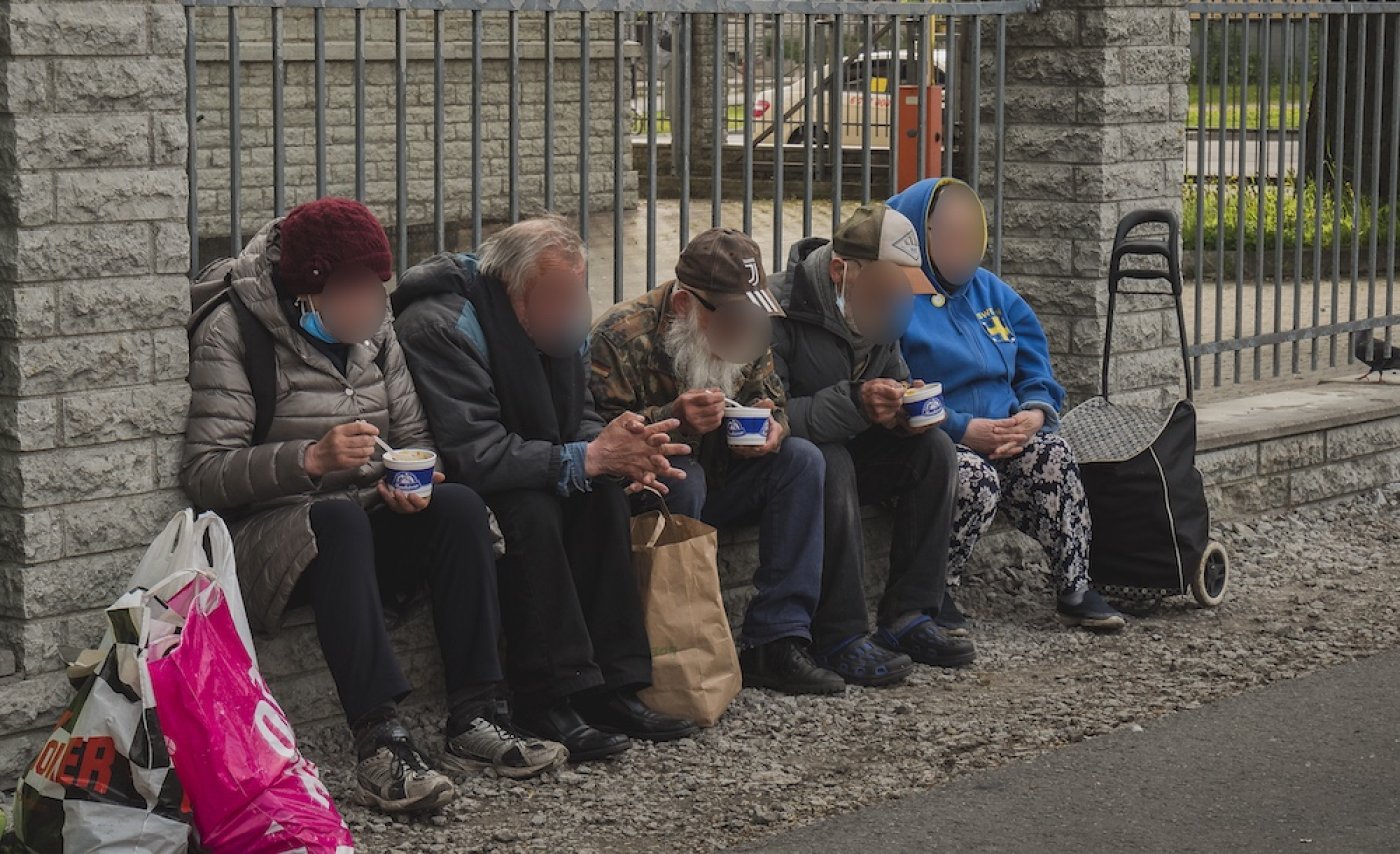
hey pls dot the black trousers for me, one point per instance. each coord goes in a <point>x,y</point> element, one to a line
<point>366,558</point>
<point>569,602</point>
<point>920,472</point>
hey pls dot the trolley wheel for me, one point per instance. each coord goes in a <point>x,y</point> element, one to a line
<point>1212,577</point>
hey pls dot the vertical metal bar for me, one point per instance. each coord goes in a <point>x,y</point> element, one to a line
<point>1300,182</point>
<point>653,60</point>
<point>621,137</point>
<point>279,146</point>
<point>1261,183</point>
<point>401,137</point>
<point>974,107</point>
<point>681,44</point>
<point>585,119</point>
<point>360,177</point>
<point>837,131</point>
<point>319,29</point>
<point>999,142</point>
<point>513,131</point>
<point>892,86</point>
<point>951,137</point>
<point>1285,81</point>
<point>748,121</point>
<point>778,108</point>
<point>1220,195</point>
<point>808,128</point>
<point>192,137</point>
<point>1359,96</point>
<point>924,43</point>
<point>866,101</point>
<point>1240,251</point>
<point>1377,112</point>
<point>1338,157</point>
<point>235,138</point>
<point>721,121</point>
<point>549,110</point>
<point>1202,106</point>
<point>1324,38</point>
<point>477,84</point>
<point>439,136</point>
<point>1392,237</point>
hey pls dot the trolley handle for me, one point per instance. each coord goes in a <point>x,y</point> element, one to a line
<point>1169,250</point>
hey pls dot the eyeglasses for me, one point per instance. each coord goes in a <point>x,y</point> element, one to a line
<point>709,306</point>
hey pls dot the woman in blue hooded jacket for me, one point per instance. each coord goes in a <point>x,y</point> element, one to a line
<point>974,334</point>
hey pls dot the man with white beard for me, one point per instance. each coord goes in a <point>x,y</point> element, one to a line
<point>677,352</point>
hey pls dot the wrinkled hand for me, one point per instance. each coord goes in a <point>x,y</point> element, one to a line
<point>630,448</point>
<point>345,447</point>
<point>775,437</point>
<point>406,503</point>
<point>700,410</point>
<point>883,401</point>
<point>982,437</point>
<point>1020,429</point>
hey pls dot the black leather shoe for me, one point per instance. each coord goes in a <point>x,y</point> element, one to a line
<point>623,712</point>
<point>784,665</point>
<point>560,723</point>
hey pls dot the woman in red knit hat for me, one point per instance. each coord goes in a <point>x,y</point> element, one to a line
<point>312,519</point>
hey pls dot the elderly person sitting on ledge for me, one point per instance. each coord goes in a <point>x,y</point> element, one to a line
<point>495,343</point>
<point>974,334</point>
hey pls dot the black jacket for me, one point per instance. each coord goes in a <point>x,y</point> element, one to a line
<point>813,354</point>
<point>442,340</point>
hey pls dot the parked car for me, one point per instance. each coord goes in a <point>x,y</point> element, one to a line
<point>856,88</point>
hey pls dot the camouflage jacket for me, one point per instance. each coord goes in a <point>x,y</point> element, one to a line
<point>632,372</point>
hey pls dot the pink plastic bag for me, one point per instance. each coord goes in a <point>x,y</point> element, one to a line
<point>251,790</point>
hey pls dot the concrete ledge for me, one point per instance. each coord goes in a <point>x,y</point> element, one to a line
<point>1278,451</point>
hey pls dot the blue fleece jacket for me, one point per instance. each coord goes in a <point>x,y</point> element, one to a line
<point>984,344</point>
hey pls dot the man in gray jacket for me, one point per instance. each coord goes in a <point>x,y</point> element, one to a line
<point>495,344</point>
<point>837,351</point>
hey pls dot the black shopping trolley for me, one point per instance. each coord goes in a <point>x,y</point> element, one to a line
<point>1151,535</point>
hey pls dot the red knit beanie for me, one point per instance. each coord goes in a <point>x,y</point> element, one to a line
<point>328,234</point>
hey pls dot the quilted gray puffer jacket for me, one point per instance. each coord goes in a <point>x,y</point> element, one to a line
<point>266,488</point>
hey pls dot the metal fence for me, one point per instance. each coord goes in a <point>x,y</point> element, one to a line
<point>452,117</point>
<point>1293,164</point>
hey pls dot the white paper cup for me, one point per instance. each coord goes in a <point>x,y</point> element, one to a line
<point>410,471</point>
<point>746,425</point>
<point>924,405</point>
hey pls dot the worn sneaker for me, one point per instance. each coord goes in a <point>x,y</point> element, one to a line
<point>395,777</point>
<point>951,618</point>
<point>495,744</point>
<point>784,665</point>
<point>1092,612</point>
<point>923,641</point>
<point>860,661</point>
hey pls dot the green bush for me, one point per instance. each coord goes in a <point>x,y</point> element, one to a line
<point>1341,222</point>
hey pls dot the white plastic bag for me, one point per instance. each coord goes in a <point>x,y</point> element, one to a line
<point>180,548</point>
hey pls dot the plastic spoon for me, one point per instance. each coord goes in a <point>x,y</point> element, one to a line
<point>383,444</point>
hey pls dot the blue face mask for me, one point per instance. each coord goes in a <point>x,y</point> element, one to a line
<point>311,323</point>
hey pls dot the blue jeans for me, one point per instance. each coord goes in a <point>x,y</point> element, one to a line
<point>782,492</point>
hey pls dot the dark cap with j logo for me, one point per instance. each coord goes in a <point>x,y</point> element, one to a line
<point>726,261</point>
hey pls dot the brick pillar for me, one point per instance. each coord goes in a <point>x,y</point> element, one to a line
<point>93,252</point>
<point>1095,107</point>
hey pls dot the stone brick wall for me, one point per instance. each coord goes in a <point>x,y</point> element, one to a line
<point>1095,107</point>
<point>92,346</point>
<point>256,117</point>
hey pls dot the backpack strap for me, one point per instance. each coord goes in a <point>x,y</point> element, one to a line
<point>260,364</point>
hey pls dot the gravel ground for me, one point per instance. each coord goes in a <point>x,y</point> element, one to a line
<point>1310,589</point>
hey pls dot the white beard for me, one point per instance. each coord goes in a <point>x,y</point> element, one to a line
<point>696,366</point>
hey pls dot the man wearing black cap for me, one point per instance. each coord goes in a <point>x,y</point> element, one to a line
<point>847,302</point>
<point>677,352</point>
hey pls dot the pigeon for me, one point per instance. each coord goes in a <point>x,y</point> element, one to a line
<point>1375,354</point>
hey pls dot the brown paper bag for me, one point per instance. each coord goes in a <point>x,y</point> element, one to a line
<point>695,670</point>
